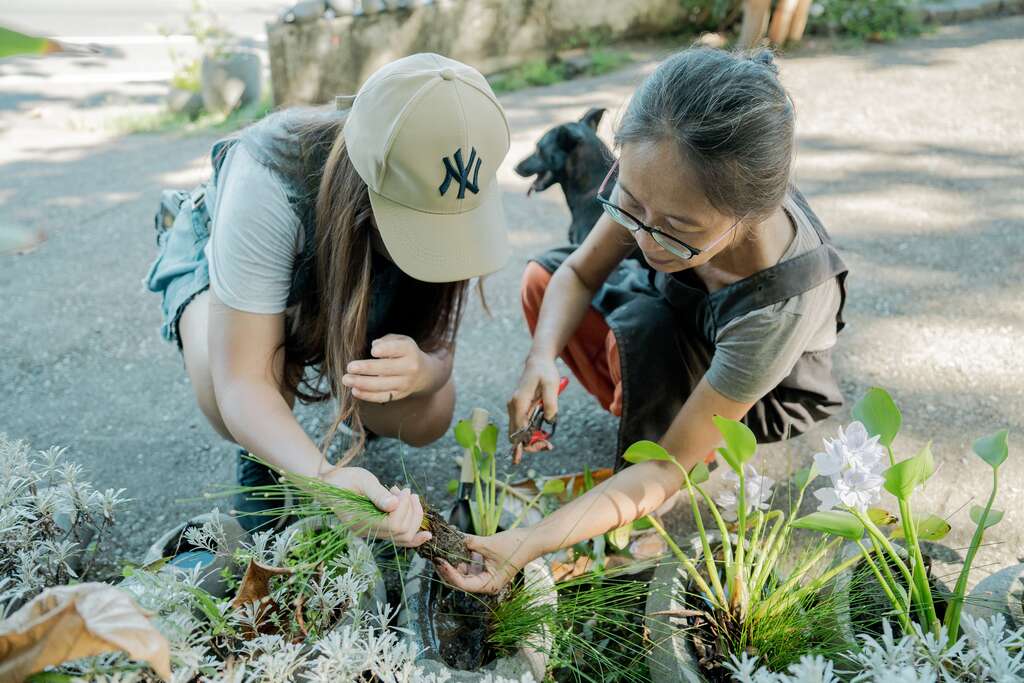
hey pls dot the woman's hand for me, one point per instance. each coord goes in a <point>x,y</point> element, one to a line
<point>398,369</point>
<point>539,380</point>
<point>405,512</point>
<point>497,559</point>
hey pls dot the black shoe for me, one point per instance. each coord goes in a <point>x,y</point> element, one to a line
<point>254,512</point>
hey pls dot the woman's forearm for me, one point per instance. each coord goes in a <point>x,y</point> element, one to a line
<point>262,422</point>
<point>632,493</point>
<point>565,303</point>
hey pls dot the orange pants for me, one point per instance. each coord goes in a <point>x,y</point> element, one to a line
<point>592,353</point>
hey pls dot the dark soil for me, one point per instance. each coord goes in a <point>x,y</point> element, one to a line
<point>461,622</point>
<point>448,543</point>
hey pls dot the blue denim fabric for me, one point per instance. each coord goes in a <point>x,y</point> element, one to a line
<point>180,271</point>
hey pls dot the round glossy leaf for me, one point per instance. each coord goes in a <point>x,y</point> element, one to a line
<point>879,414</point>
<point>833,522</point>
<point>994,516</point>
<point>902,478</point>
<point>882,517</point>
<point>464,434</point>
<point>553,486</point>
<point>802,477</point>
<point>642,451</point>
<point>740,443</point>
<point>489,439</point>
<point>929,528</point>
<point>993,448</point>
<point>453,486</point>
<point>699,474</point>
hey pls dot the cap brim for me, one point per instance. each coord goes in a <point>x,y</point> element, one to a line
<point>435,247</point>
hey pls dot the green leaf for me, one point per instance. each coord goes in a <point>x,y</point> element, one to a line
<point>993,518</point>
<point>464,434</point>
<point>699,474</point>
<point>993,448</point>
<point>619,538</point>
<point>833,522</point>
<point>489,439</point>
<point>588,479</point>
<point>642,451</point>
<point>642,524</point>
<point>552,486</point>
<point>879,414</point>
<point>740,443</point>
<point>902,478</point>
<point>880,517</point>
<point>453,486</point>
<point>929,528</point>
<point>803,476</point>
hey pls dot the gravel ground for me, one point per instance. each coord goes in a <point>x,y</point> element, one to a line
<point>911,153</point>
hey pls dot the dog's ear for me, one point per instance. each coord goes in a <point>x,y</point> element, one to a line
<point>569,136</point>
<point>593,117</point>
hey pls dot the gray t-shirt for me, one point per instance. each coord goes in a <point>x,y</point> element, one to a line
<point>256,236</point>
<point>756,351</point>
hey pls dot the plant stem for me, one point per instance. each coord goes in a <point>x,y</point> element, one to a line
<point>957,602</point>
<point>903,616</point>
<point>877,534</point>
<point>684,561</point>
<point>723,529</point>
<point>766,562</point>
<point>890,578</point>
<point>709,559</point>
<point>921,589</point>
<point>754,538</point>
<point>777,602</point>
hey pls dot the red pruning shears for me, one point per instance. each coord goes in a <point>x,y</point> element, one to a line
<point>534,431</point>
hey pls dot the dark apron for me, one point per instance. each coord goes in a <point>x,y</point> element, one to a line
<point>665,326</point>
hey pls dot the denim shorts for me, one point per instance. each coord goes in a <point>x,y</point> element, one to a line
<point>180,271</point>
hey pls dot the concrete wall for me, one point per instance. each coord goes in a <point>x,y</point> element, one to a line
<point>312,62</point>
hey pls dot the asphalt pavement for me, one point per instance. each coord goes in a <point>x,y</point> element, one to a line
<point>910,152</point>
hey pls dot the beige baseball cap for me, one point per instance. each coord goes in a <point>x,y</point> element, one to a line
<point>427,135</point>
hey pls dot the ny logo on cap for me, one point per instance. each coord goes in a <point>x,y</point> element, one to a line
<point>460,173</point>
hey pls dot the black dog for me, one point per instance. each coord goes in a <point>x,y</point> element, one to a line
<point>574,157</point>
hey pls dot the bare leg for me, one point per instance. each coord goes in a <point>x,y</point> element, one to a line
<point>755,21</point>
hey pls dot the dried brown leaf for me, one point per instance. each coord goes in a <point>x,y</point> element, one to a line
<point>256,582</point>
<point>69,622</point>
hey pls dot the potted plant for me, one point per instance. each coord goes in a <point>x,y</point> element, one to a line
<point>740,586</point>
<point>860,464</point>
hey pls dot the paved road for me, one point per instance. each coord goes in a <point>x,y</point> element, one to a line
<point>912,153</point>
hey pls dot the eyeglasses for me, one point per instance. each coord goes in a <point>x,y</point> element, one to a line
<point>673,245</point>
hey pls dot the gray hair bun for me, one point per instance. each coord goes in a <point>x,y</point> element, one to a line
<point>766,58</point>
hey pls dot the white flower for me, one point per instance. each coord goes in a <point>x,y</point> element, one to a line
<point>855,463</point>
<point>757,490</point>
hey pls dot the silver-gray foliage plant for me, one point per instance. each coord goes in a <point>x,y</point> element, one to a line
<point>52,522</point>
<point>987,652</point>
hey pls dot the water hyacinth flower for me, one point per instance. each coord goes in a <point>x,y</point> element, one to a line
<point>854,462</point>
<point>757,491</point>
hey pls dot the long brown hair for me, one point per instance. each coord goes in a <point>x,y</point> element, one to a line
<point>329,327</point>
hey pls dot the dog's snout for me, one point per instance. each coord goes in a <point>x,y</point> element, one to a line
<point>531,165</point>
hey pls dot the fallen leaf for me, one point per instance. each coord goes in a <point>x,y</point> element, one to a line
<point>256,582</point>
<point>69,622</point>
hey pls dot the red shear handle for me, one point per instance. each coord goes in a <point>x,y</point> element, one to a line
<point>541,434</point>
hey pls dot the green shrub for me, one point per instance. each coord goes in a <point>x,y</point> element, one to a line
<point>874,20</point>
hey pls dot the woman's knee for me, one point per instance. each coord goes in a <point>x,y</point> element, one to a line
<point>192,329</point>
<point>534,284</point>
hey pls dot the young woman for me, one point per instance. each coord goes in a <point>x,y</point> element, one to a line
<point>731,309</point>
<point>329,257</point>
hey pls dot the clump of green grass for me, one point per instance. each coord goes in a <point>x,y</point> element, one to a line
<point>540,72</point>
<point>592,632</point>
